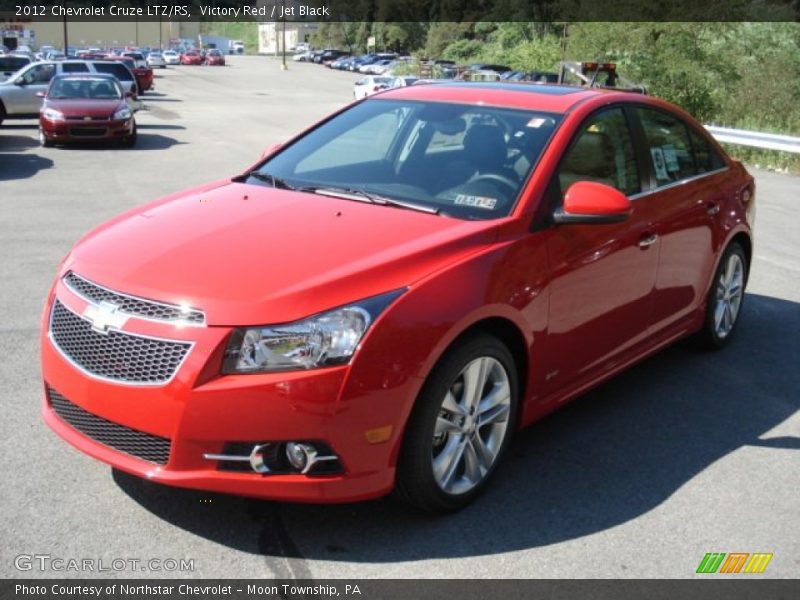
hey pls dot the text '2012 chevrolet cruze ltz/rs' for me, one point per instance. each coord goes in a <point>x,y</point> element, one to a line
<point>381,301</point>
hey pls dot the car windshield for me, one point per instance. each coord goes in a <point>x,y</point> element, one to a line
<point>83,88</point>
<point>459,160</point>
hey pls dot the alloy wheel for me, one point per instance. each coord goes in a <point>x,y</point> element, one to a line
<point>730,288</point>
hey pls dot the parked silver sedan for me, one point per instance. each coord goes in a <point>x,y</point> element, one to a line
<point>156,59</point>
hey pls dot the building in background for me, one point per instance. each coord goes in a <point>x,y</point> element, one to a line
<point>101,34</point>
<point>270,36</point>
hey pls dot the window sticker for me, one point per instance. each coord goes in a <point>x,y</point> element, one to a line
<point>536,122</point>
<point>671,158</point>
<point>659,163</point>
<point>484,202</point>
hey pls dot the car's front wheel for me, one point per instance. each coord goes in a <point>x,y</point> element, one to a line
<point>460,426</point>
<point>44,140</point>
<point>129,141</point>
<point>725,298</point>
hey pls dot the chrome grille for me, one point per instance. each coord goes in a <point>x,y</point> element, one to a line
<point>142,445</point>
<point>116,355</point>
<point>132,305</point>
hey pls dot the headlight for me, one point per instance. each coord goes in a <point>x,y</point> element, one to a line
<point>123,113</point>
<point>52,114</point>
<point>327,339</point>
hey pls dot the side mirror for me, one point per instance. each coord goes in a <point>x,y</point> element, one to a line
<point>592,203</point>
<point>129,94</point>
<point>20,82</point>
<point>269,150</point>
<point>41,94</point>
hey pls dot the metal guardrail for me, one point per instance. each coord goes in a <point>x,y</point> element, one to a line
<point>769,141</point>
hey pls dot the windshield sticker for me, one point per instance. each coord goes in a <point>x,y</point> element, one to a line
<point>671,158</point>
<point>659,163</point>
<point>483,202</point>
<point>536,122</point>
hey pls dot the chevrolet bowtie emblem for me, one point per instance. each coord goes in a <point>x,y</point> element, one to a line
<point>87,118</point>
<point>104,316</point>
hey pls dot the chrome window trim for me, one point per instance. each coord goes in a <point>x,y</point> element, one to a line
<point>181,323</point>
<point>69,359</point>
<point>677,183</point>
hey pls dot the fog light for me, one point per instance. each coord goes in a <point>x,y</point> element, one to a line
<point>301,456</point>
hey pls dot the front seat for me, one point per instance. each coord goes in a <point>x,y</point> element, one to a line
<point>486,150</point>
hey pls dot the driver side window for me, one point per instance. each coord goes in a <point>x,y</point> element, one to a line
<point>39,74</point>
<point>602,152</point>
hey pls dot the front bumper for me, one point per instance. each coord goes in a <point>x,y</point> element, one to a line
<point>79,130</point>
<point>200,412</point>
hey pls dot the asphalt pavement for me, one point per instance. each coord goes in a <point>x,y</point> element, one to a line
<point>685,454</point>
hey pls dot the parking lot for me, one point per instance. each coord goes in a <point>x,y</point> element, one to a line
<point>685,454</point>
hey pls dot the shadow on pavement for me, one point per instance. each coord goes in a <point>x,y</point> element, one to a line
<point>21,166</point>
<point>609,457</point>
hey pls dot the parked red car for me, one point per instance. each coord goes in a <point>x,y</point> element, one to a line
<point>85,107</point>
<point>191,58</point>
<point>383,300</point>
<point>144,75</point>
<point>215,58</point>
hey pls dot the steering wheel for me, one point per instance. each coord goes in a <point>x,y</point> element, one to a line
<point>496,178</point>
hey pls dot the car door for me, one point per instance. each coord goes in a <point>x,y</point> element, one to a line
<point>686,176</point>
<point>20,96</point>
<point>601,275</point>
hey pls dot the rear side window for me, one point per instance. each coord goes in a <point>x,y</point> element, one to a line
<point>118,71</point>
<point>74,68</point>
<point>705,157</point>
<point>602,152</point>
<point>670,150</point>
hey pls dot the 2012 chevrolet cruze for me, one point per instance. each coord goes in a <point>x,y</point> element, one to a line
<point>381,301</point>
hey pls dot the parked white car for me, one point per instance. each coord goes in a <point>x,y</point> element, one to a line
<point>366,86</point>
<point>171,57</point>
<point>302,56</point>
<point>156,59</point>
<point>376,68</point>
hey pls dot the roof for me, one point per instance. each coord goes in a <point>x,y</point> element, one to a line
<point>85,75</point>
<point>551,98</point>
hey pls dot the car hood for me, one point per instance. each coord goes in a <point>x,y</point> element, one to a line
<point>249,255</point>
<point>86,108</point>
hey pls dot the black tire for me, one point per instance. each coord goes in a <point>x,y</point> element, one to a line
<point>129,141</point>
<point>2,113</point>
<point>712,336</point>
<point>416,483</point>
<point>45,141</point>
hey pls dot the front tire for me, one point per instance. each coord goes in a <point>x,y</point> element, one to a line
<point>724,304</point>
<point>44,140</point>
<point>460,426</point>
<point>129,141</point>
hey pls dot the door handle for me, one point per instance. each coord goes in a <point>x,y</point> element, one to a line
<point>648,240</point>
<point>712,208</point>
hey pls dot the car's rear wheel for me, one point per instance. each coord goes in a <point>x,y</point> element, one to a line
<point>2,113</point>
<point>725,298</point>
<point>460,426</point>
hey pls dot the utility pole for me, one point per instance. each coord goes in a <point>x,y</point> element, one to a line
<point>283,64</point>
<point>66,39</point>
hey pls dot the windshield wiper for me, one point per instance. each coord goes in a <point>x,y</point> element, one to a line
<point>365,196</point>
<point>276,182</point>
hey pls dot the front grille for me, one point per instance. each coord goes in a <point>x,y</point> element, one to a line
<point>142,445</point>
<point>117,356</point>
<point>88,131</point>
<point>84,119</point>
<point>134,306</point>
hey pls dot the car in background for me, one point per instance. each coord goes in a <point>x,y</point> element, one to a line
<point>304,56</point>
<point>328,62</point>
<point>328,55</point>
<point>21,95</point>
<point>342,64</point>
<point>10,64</point>
<point>191,58</point>
<point>156,59</point>
<point>403,81</point>
<point>171,57</point>
<point>139,59</point>
<point>215,58</point>
<point>237,47</point>
<point>366,86</point>
<point>517,245</point>
<point>144,75</point>
<point>86,107</point>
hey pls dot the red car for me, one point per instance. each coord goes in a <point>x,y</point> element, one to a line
<point>144,75</point>
<point>86,107</point>
<point>380,302</point>
<point>191,58</point>
<point>215,58</point>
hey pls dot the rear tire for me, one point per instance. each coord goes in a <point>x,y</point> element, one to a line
<point>460,426</point>
<point>725,298</point>
<point>2,113</point>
